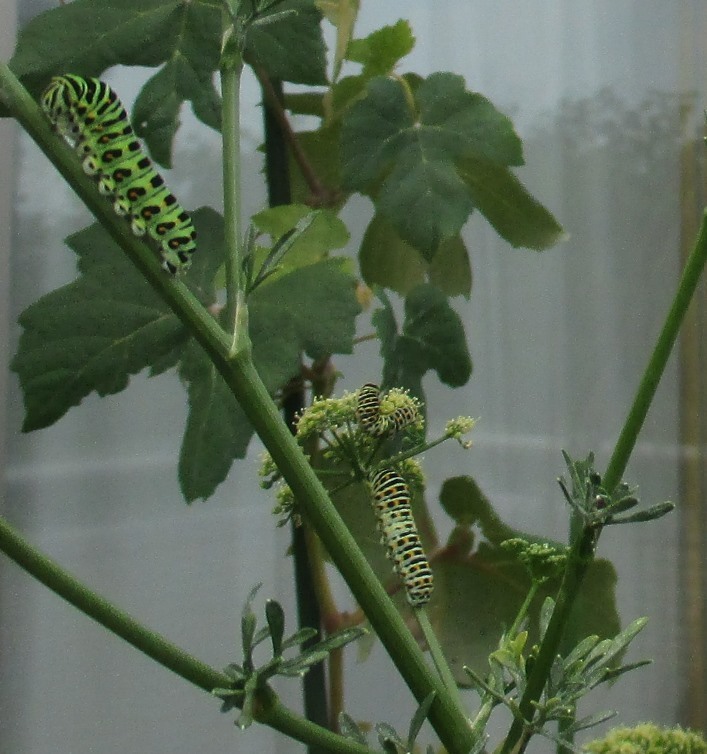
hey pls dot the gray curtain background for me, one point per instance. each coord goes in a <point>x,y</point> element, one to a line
<point>608,97</point>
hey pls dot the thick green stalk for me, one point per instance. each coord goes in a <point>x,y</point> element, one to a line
<point>582,550</point>
<point>239,373</point>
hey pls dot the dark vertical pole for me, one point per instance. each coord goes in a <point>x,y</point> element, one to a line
<point>278,183</point>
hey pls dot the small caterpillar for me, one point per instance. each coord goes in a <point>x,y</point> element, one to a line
<point>88,114</point>
<point>391,501</point>
<point>369,417</point>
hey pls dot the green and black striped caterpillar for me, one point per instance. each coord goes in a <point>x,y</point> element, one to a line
<point>370,419</point>
<point>391,501</point>
<point>88,113</point>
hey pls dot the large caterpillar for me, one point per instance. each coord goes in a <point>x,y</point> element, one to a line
<point>391,501</point>
<point>370,419</point>
<point>88,113</point>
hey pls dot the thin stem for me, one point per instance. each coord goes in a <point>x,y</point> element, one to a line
<point>656,366</point>
<point>231,68</point>
<point>440,661</point>
<point>582,550</point>
<point>520,617</point>
<point>275,105</point>
<point>156,646</point>
<point>107,614</point>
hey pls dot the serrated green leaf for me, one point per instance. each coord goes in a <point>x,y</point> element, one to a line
<point>402,145</point>
<point>292,48</point>
<point>156,111</point>
<point>92,334</point>
<point>379,52</point>
<point>310,310</point>
<point>217,430</point>
<point>426,201</point>
<point>89,36</point>
<point>508,206</point>
<point>315,235</point>
<point>433,337</point>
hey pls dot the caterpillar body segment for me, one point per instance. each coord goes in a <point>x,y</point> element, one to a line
<point>88,113</point>
<point>391,502</point>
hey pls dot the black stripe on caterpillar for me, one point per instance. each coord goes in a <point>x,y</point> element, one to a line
<point>88,113</point>
<point>391,502</point>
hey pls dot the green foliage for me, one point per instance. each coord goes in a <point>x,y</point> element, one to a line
<point>428,152</point>
<point>432,337</point>
<point>388,261</point>
<point>92,334</point>
<point>590,663</point>
<point>595,506</point>
<point>88,36</point>
<point>250,679</point>
<point>402,146</point>
<point>648,738</point>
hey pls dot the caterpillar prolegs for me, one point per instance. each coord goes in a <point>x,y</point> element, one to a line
<point>88,113</point>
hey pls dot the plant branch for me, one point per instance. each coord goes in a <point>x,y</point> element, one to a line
<point>231,67</point>
<point>156,646</point>
<point>241,377</point>
<point>656,366</point>
<point>319,192</point>
<point>582,551</point>
<point>104,612</point>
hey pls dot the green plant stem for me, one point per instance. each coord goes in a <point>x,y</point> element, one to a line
<point>104,612</point>
<point>520,617</point>
<point>659,358</point>
<point>156,646</point>
<point>240,375</point>
<point>582,549</point>
<point>440,661</point>
<point>231,68</point>
<point>278,717</point>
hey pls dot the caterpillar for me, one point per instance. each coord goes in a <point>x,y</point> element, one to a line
<point>369,417</point>
<point>89,115</point>
<point>368,411</point>
<point>391,502</point>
